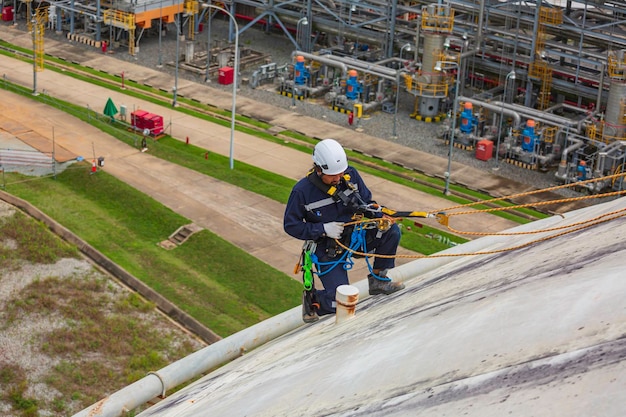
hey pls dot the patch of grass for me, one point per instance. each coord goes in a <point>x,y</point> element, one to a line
<point>102,345</point>
<point>13,390</point>
<point>220,285</point>
<point>248,177</point>
<point>133,302</point>
<point>10,373</point>
<point>27,240</point>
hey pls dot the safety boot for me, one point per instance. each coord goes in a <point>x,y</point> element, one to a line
<point>309,307</point>
<point>383,286</point>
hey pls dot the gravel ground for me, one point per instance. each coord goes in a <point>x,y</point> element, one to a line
<point>410,132</point>
<point>22,338</point>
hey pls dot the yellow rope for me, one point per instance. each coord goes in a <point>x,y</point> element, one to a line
<point>581,225</point>
<point>447,216</point>
<point>443,216</point>
<point>530,232</point>
<point>527,193</point>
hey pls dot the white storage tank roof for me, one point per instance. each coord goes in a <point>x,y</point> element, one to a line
<point>530,332</point>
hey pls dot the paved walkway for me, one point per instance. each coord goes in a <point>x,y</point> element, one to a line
<point>249,221</point>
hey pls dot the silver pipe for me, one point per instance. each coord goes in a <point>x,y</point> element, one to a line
<point>481,18</point>
<point>610,149</point>
<point>562,170</point>
<point>520,39</point>
<point>157,383</point>
<point>600,164</point>
<point>588,116</point>
<point>358,63</point>
<point>580,122</point>
<point>495,108</point>
<point>323,27</point>
<point>600,87</point>
<point>378,70</point>
<point>539,115</point>
<point>323,59</point>
<point>388,60</point>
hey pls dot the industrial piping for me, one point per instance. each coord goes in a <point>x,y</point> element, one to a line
<point>562,170</point>
<point>343,63</point>
<point>324,60</point>
<point>517,118</point>
<point>376,70</point>
<point>540,115</point>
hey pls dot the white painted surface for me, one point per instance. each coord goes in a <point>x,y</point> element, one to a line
<point>534,332</point>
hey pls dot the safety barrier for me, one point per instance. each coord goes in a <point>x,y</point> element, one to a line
<point>84,39</point>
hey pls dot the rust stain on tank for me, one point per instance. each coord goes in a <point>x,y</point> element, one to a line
<point>350,304</point>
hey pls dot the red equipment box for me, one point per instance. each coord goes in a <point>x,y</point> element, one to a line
<point>484,150</point>
<point>155,124</point>
<point>141,120</point>
<point>137,118</point>
<point>226,76</point>
<point>7,13</point>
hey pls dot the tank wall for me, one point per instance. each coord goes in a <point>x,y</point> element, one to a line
<point>433,45</point>
<point>614,107</point>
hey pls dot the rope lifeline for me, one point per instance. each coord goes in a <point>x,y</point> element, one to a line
<point>443,217</point>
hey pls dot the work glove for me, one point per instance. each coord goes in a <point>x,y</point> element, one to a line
<point>333,229</point>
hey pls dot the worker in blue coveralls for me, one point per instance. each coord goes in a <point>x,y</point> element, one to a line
<point>319,205</point>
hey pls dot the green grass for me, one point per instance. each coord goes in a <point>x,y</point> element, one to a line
<point>33,243</point>
<point>220,285</point>
<point>416,234</point>
<point>248,177</point>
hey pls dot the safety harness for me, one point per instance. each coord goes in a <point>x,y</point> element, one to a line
<point>349,195</point>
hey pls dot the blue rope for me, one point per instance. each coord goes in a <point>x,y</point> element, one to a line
<point>345,260</point>
<point>363,247</point>
<point>357,244</point>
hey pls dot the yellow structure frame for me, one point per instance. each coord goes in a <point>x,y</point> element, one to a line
<point>122,20</point>
<point>426,89</point>
<point>191,9</point>
<point>541,70</point>
<point>616,68</point>
<point>441,21</point>
<point>41,17</point>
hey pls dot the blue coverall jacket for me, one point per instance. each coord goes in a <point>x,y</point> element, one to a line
<point>309,208</point>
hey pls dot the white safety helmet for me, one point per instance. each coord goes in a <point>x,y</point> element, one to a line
<point>330,157</point>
